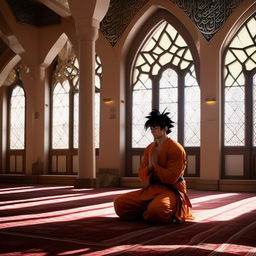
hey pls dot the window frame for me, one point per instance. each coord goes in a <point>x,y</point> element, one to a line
<point>15,153</point>
<point>247,151</point>
<point>71,152</point>
<point>142,37</point>
<point>56,153</point>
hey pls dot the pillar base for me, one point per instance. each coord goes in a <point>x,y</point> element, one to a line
<point>87,183</point>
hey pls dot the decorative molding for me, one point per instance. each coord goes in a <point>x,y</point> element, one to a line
<point>208,16</point>
<point>118,17</point>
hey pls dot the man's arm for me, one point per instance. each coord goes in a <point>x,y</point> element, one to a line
<point>146,167</point>
<point>174,169</point>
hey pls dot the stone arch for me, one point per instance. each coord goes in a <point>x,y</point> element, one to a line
<point>152,22</point>
<point>144,16</point>
<point>155,16</point>
<point>54,50</point>
<point>235,21</point>
<point>10,64</point>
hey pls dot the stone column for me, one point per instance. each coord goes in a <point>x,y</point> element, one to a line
<point>87,18</point>
<point>37,113</point>
<point>87,159</point>
<point>210,116</point>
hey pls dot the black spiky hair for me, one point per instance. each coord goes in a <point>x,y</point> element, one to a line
<point>157,119</point>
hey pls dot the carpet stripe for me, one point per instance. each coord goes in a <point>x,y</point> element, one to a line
<point>196,201</point>
<point>227,243</point>
<point>172,233</point>
<point>201,237</point>
<point>252,252</point>
<point>56,216</point>
<point>33,189</point>
<point>88,222</point>
<point>8,205</point>
<point>129,235</point>
<point>52,238</point>
<point>231,210</point>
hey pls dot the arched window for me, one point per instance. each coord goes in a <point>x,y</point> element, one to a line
<point>239,103</point>
<point>163,77</point>
<point>65,111</point>
<point>98,74</point>
<point>17,118</point>
<point>16,122</point>
<point>60,115</point>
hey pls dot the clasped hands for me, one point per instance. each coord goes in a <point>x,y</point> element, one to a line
<point>153,158</point>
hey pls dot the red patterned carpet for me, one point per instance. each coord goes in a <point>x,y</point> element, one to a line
<point>61,220</point>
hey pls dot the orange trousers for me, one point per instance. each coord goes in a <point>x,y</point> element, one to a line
<point>155,203</point>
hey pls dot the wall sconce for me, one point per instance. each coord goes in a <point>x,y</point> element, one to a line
<point>210,100</point>
<point>108,101</point>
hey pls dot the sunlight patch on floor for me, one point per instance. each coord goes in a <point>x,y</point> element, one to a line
<point>226,212</point>
<point>32,189</point>
<point>97,210</point>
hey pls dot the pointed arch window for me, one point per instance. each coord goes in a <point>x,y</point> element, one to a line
<point>17,118</point>
<point>65,111</point>
<point>16,121</point>
<point>163,77</point>
<point>239,103</point>
<point>98,77</point>
<point>60,120</point>
<point>65,105</point>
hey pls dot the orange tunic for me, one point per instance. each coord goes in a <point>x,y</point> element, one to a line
<point>165,198</point>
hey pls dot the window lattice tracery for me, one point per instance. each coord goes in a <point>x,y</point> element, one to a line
<point>17,118</point>
<point>60,122</point>
<point>165,53</point>
<point>98,73</point>
<point>66,78</point>
<point>66,97</point>
<point>240,57</point>
<point>169,97</point>
<point>192,110</point>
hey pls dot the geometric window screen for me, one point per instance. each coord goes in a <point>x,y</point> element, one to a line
<point>60,120</point>
<point>168,97</point>
<point>192,106</point>
<point>165,48</point>
<point>17,118</point>
<point>65,100</point>
<point>240,57</point>
<point>98,75</point>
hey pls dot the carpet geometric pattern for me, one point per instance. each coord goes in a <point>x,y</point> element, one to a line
<point>60,220</point>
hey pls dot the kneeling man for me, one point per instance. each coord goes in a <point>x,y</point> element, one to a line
<point>165,199</point>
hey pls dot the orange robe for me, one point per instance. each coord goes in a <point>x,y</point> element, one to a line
<point>165,199</point>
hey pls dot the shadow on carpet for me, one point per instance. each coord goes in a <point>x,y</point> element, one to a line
<point>60,220</point>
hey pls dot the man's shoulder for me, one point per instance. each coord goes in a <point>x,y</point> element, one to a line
<point>149,145</point>
<point>174,144</point>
